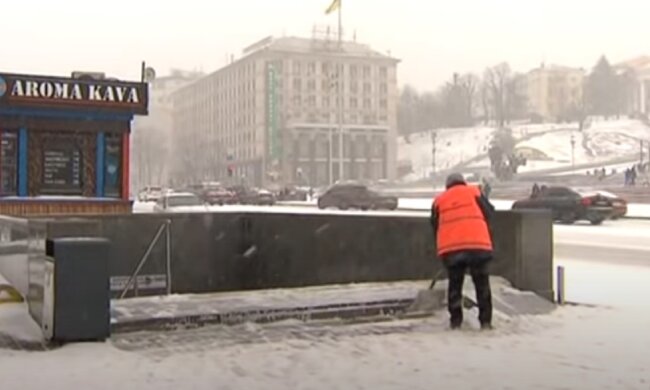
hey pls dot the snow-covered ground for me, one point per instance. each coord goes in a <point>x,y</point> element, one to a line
<point>573,348</point>
<point>454,146</point>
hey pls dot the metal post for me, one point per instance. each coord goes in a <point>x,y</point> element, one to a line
<point>561,298</point>
<point>142,261</point>
<point>433,151</point>
<point>573,148</point>
<point>168,239</point>
<point>330,130</point>
<point>340,93</point>
<point>640,150</point>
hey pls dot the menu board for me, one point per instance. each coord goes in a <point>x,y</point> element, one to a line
<point>62,169</point>
<point>8,163</point>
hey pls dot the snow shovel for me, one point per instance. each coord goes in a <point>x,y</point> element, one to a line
<point>428,300</point>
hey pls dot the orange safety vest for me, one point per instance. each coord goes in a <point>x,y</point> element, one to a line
<point>461,224</point>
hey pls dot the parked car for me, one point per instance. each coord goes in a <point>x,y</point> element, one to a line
<point>345,196</point>
<point>179,201</point>
<point>212,193</point>
<point>292,193</point>
<point>150,194</point>
<point>218,195</point>
<point>569,206</point>
<point>619,204</point>
<point>252,196</point>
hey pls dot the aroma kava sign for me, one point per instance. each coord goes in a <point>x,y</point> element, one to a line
<point>43,91</point>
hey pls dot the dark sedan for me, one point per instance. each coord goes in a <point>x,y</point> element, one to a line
<point>569,206</point>
<point>252,196</point>
<point>346,196</point>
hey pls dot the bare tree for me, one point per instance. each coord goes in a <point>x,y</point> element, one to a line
<point>469,83</point>
<point>486,104</point>
<point>497,79</point>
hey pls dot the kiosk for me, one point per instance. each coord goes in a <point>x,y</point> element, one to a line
<point>64,143</point>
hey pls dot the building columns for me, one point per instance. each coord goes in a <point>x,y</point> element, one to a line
<point>23,162</point>
<point>100,164</point>
<point>126,144</point>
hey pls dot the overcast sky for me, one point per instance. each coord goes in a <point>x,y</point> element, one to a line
<point>433,38</point>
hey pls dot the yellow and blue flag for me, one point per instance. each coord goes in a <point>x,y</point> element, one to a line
<point>336,4</point>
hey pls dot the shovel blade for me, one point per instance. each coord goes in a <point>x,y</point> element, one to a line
<point>427,301</point>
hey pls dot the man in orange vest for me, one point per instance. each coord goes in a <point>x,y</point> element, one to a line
<point>460,218</point>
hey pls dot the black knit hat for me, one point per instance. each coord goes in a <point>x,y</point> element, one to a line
<point>454,178</point>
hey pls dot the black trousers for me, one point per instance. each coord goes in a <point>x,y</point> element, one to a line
<point>478,269</point>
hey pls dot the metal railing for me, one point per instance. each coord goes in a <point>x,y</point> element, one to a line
<point>165,227</point>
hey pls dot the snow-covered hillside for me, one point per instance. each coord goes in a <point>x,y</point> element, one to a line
<point>600,142</point>
<point>453,147</point>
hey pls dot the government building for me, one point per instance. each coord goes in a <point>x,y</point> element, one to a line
<point>290,110</point>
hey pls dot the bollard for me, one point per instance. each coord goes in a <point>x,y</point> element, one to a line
<point>561,299</point>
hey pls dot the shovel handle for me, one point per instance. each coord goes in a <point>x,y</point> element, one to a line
<point>435,278</point>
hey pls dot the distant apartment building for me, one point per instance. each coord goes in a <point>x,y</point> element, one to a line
<point>638,74</point>
<point>151,141</point>
<point>274,115</point>
<point>555,92</point>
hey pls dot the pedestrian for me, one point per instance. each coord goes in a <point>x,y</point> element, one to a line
<point>535,191</point>
<point>460,218</point>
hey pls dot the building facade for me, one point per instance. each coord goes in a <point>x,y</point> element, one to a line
<point>638,71</point>
<point>291,110</point>
<point>152,140</point>
<point>555,92</point>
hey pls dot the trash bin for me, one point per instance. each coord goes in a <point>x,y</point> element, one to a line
<point>77,291</point>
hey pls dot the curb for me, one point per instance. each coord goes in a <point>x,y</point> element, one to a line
<point>360,311</point>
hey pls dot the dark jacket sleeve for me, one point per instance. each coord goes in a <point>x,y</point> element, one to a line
<point>434,219</point>
<point>486,207</point>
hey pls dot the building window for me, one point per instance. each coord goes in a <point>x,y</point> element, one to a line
<point>383,72</point>
<point>383,88</point>
<point>354,72</point>
<point>367,88</point>
<point>62,173</point>
<point>354,87</point>
<point>325,68</point>
<point>366,71</point>
<point>383,103</point>
<point>311,101</point>
<point>354,103</point>
<point>9,161</point>
<point>326,101</point>
<point>113,165</point>
<point>311,68</point>
<point>311,85</point>
<point>296,67</point>
<point>366,103</point>
<point>297,84</point>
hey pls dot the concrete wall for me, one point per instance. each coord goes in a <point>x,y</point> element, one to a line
<point>236,251</point>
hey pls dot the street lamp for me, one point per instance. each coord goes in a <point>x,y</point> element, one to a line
<point>433,152</point>
<point>573,149</point>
